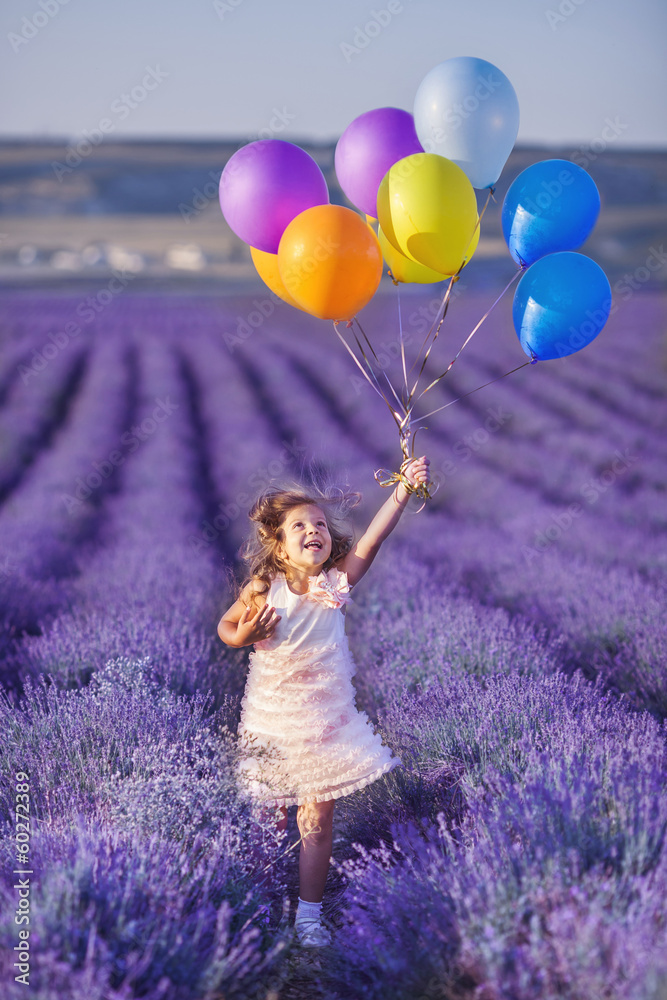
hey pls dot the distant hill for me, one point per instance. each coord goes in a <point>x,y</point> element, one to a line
<point>156,177</point>
<point>170,188</point>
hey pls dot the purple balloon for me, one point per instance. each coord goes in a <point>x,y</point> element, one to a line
<point>264,186</point>
<point>366,150</point>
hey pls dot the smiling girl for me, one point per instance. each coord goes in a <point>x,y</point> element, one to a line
<point>304,741</point>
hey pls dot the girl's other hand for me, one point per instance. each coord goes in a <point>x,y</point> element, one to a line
<point>417,471</point>
<point>256,627</point>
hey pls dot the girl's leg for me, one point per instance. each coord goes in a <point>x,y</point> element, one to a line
<point>315,822</point>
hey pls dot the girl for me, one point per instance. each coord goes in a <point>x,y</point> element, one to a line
<point>305,743</point>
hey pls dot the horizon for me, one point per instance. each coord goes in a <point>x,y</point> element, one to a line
<point>137,140</point>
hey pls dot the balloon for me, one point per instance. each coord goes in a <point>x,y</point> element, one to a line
<point>264,186</point>
<point>330,261</point>
<point>266,265</point>
<point>561,303</point>
<point>427,209</point>
<point>467,110</point>
<point>550,206</point>
<point>402,268</point>
<point>368,147</point>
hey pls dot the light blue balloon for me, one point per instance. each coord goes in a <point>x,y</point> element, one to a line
<point>560,305</point>
<point>467,111</point>
<point>550,206</point>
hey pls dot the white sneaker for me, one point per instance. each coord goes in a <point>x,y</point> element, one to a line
<point>312,933</point>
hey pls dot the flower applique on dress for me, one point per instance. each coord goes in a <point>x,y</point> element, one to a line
<point>331,593</point>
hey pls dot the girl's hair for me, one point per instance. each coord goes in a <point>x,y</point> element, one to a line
<point>269,512</point>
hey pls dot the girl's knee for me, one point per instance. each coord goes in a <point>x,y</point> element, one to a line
<point>315,820</point>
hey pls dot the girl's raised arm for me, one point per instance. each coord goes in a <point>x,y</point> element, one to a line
<point>359,559</point>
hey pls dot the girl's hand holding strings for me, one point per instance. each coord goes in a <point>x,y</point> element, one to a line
<point>256,627</point>
<point>417,471</point>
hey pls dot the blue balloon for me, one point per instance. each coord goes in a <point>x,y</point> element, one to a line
<point>560,305</point>
<point>550,206</point>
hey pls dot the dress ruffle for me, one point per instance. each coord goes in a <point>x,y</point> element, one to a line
<point>302,737</point>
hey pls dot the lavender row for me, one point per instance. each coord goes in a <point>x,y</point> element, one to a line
<point>43,521</point>
<point>140,588</point>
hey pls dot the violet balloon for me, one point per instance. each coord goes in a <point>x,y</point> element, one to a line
<point>368,147</point>
<point>264,186</point>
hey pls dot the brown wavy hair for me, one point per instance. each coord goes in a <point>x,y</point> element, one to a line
<point>268,514</point>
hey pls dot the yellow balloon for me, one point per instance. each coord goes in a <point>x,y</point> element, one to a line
<point>266,265</point>
<point>427,209</point>
<point>330,261</point>
<point>401,268</point>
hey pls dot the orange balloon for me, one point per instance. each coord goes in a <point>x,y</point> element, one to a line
<point>330,261</point>
<point>266,265</point>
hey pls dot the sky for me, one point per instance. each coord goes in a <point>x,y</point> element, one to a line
<point>585,71</point>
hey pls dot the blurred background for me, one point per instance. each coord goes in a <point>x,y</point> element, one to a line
<point>122,116</point>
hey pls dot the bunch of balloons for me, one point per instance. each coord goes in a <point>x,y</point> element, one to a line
<point>414,177</point>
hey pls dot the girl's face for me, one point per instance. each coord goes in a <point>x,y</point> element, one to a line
<point>307,542</point>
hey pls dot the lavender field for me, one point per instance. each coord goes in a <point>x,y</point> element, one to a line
<point>510,642</point>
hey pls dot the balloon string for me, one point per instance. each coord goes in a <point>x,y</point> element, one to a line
<point>443,305</point>
<point>373,382</point>
<point>400,335</point>
<point>532,361</point>
<point>446,298</point>
<point>489,196</point>
<point>400,403</point>
<point>474,331</point>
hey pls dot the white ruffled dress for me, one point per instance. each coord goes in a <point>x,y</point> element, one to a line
<point>301,735</point>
